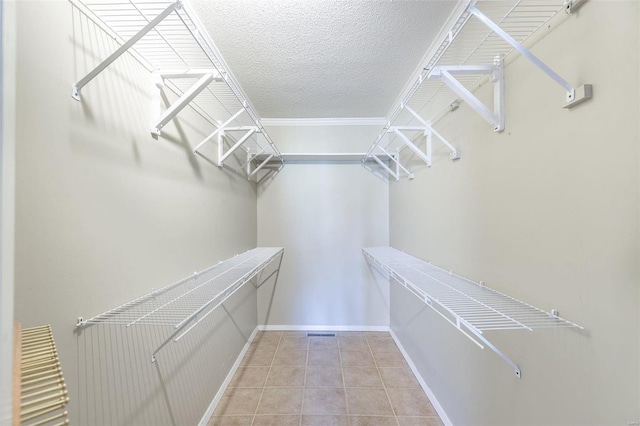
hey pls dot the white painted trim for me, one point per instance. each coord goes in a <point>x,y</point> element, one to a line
<point>7,204</point>
<point>323,328</point>
<point>346,121</point>
<point>214,403</point>
<point>434,401</point>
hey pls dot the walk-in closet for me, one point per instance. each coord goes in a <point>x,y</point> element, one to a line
<point>320,213</point>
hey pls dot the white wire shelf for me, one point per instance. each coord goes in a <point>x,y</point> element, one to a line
<point>183,304</point>
<point>470,307</point>
<point>472,43</point>
<point>167,38</point>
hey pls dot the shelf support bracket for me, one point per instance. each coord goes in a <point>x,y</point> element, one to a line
<point>396,159</point>
<point>179,105</point>
<point>238,144</point>
<point>409,143</point>
<point>447,75</point>
<point>75,91</point>
<point>385,167</point>
<point>429,133</point>
<point>218,130</point>
<point>260,166</point>
<point>574,97</point>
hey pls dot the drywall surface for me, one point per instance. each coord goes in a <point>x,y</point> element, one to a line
<point>7,204</point>
<point>105,214</point>
<point>546,211</point>
<point>323,214</point>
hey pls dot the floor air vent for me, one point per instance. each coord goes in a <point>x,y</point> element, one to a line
<point>321,334</point>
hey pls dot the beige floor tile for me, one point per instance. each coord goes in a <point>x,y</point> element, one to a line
<point>398,378</point>
<point>282,420</point>
<point>280,401</point>
<point>267,335</point>
<point>390,359</point>
<point>249,377</point>
<point>295,333</point>
<point>286,375</point>
<point>372,421</point>
<point>294,343</point>
<point>377,334</point>
<point>230,421</point>
<point>351,333</point>
<point>357,359</point>
<point>290,357</point>
<point>368,401</point>
<point>324,358</point>
<point>420,421</point>
<point>383,345</point>
<point>323,343</point>
<point>257,359</point>
<point>361,377</point>
<point>324,401</point>
<point>410,402</point>
<point>353,343</point>
<point>264,345</point>
<point>238,401</point>
<point>324,376</point>
<point>325,420</point>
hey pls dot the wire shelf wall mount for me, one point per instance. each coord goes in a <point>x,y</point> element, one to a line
<point>169,40</point>
<point>482,34</point>
<point>185,303</point>
<point>470,307</point>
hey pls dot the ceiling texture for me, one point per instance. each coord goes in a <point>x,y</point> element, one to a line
<point>323,59</point>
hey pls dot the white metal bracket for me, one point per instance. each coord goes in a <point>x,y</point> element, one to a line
<point>388,169</point>
<point>222,155</point>
<point>571,6</point>
<point>447,75</point>
<point>575,96</point>
<point>181,102</point>
<point>396,159</point>
<point>218,130</point>
<point>261,164</point>
<point>75,91</point>
<point>429,133</point>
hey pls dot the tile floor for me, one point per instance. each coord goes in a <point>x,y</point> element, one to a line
<point>357,379</point>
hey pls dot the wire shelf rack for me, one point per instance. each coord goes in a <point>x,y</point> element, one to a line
<point>471,307</point>
<point>468,42</point>
<point>183,304</point>
<point>177,45</point>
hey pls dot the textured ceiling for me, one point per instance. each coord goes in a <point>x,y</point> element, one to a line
<point>323,59</point>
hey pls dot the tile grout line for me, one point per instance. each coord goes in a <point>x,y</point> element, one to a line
<point>304,381</point>
<point>384,387</point>
<point>344,384</point>
<point>255,413</point>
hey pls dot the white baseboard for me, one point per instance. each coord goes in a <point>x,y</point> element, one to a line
<point>323,328</point>
<point>434,401</point>
<point>207,415</point>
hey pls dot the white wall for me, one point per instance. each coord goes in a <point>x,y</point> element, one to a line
<point>7,205</point>
<point>323,215</point>
<point>105,213</point>
<point>547,212</point>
